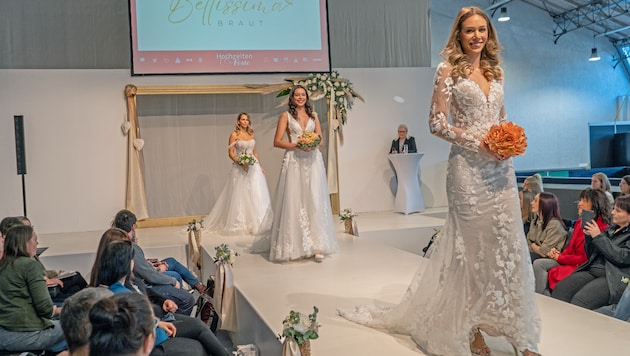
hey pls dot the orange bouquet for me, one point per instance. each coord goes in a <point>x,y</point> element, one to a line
<point>507,139</point>
<point>308,140</point>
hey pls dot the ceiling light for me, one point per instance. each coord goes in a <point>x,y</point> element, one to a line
<point>594,56</point>
<point>503,16</point>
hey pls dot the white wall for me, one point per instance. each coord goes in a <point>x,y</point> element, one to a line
<point>365,172</point>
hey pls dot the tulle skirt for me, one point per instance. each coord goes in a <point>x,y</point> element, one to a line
<point>302,219</point>
<point>244,206</point>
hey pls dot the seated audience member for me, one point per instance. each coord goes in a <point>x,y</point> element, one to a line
<point>526,197</point>
<point>620,310</point>
<point>190,333</point>
<point>597,282</point>
<point>26,308</point>
<point>122,325</point>
<point>67,285</point>
<point>165,285</point>
<point>624,185</point>
<point>74,319</point>
<point>558,265</point>
<point>600,181</point>
<point>398,145</point>
<point>547,231</point>
<point>534,184</point>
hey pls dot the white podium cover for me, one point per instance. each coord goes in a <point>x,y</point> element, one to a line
<point>408,196</point>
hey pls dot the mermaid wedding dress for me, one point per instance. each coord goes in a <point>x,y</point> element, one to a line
<point>479,274</point>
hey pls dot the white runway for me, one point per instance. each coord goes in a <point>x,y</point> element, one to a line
<point>373,268</point>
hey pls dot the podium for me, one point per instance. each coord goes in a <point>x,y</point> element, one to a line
<point>408,196</point>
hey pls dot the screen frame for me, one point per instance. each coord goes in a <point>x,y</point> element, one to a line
<point>134,52</point>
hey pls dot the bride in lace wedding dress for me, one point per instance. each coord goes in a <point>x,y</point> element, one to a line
<point>244,206</point>
<point>479,275</point>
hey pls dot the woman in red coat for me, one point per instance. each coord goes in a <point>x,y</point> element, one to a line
<point>558,265</point>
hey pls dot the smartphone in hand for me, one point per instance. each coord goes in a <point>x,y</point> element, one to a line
<point>587,215</point>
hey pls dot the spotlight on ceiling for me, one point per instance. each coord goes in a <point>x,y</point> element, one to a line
<point>503,16</point>
<point>594,56</point>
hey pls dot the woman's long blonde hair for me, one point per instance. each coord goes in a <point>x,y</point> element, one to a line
<point>454,54</point>
<point>249,129</point>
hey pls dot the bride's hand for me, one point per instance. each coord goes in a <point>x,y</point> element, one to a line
<point>483,148</point>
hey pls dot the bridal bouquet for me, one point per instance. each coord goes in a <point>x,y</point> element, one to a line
<point>506,139</point>
<point>308,140</point>
<point>246,159</point>
<point>301,327</point>
<point>224,254</point>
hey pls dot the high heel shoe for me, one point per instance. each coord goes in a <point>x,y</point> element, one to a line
<point>478,345</point>
<point>319,257</point>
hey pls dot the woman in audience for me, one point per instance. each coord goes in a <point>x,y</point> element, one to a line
<point>558,265</point>
<point>110,265</point>
<point>26,308</point>
<point>624,185</point>
<point>533,184</point>
<point>547,230</point>
<point>600,181</point>
<point>122,325</point>
<point>597,282</point>
<point>526,198</point>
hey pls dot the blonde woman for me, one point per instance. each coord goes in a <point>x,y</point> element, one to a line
<point>600,181</point>
<point>244,206</point>
<point>479,276</point>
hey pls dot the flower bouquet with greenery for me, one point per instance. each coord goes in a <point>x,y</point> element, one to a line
<point>246,159</point>
<point>224,254</point>
<point>346,214</point>
<point>308,140</point>
<point>300,327</point>
<point>195,225</point>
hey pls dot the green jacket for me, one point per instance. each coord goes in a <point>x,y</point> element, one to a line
<point>25,304</point>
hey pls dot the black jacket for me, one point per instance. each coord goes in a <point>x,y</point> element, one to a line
<point>410,142</point>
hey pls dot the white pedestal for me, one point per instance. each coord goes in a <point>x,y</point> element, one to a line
<point>408,197</point>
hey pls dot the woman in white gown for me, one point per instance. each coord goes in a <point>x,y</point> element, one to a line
<point>302,223</point>
<point>479,275</point>
<point>244,206</point>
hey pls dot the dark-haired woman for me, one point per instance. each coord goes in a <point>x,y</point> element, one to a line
<point>597,282</point>
<point>547,231</point>
<point>26,308</point>
<point>122,325</point>
<point>302,218</point>
<point>113,267</point>
<point>558,265</point>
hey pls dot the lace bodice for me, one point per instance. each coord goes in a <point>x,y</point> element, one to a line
<point>244,146</point>
<point>472,111</point>
<point>294,129</point>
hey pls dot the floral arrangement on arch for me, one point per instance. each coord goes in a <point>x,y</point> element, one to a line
<point>224,254</point>
<point>300,327</point>
<point>195,225</point>
<point>331,86</point>
<point>346,214</point>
